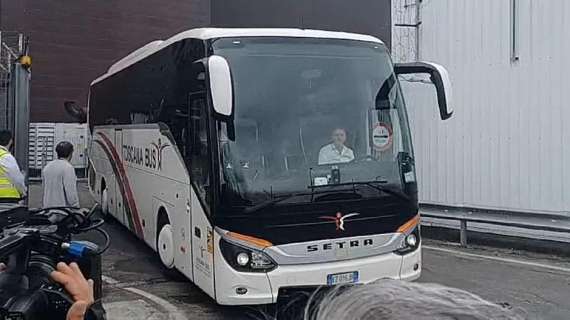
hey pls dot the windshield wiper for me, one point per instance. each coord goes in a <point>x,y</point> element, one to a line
<point>377,184</point>
<point>373,184</point>
<point>273,201</point>
<point>396,193</point>
<point>284,197</point>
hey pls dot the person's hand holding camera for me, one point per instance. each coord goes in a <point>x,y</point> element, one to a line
<point>80,289</point>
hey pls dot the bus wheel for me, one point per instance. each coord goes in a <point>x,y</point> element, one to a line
<point>165,246</point>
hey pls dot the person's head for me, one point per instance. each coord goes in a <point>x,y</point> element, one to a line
<point>64,150</point>
<point>399,300</point>
<point>6,138</point>
<point>338,137</point>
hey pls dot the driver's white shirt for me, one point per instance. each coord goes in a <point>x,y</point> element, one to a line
<point>329,154</point>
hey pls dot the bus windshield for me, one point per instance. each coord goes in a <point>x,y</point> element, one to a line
<point>310,113</point>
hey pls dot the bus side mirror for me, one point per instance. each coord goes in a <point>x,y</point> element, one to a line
<point>78,113</point>
<point>221,86</point>
<point>439,77</point>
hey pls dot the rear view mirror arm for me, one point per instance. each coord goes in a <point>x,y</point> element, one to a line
<point>438,76</point>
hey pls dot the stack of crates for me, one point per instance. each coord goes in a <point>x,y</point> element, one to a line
<point>45,136</point>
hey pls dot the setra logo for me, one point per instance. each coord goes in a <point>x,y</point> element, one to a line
<point>339,219</point>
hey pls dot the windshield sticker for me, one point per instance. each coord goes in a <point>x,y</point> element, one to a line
<point>409,177</point>
<point>321,181</point>
<point>382,136</point>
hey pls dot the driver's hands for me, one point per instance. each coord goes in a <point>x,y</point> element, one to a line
<point>80,289</point>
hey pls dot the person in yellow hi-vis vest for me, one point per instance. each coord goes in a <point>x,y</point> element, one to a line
<point>12,181</point>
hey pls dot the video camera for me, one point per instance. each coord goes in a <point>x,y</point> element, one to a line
<point>32,242</point>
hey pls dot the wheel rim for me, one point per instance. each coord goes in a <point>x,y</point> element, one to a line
<point>165,246</point>
<point>104,202</point>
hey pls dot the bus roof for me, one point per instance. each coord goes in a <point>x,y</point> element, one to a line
<point>213,33</point>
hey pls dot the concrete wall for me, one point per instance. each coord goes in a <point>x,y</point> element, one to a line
<point>508,144</point>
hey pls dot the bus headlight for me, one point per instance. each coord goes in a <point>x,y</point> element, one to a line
<point>260,260</point>
<point>412,240</point>
<point>242,259</point>
<point>411,232</point>
<point>410,243</point>
<point>245,259</point>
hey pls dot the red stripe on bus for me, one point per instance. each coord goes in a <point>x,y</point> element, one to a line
<point>124,184</point>
<point>131,225</point>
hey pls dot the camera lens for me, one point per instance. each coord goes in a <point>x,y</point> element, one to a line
<point>39,270</point>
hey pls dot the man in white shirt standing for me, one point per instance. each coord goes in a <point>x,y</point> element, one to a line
<point>59,179</point>
<point>12,181</point>
<point>336,152</point>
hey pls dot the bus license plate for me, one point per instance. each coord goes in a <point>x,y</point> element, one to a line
<point>342,278</point>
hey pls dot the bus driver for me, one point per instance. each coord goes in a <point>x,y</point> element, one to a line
<point>336,152</point>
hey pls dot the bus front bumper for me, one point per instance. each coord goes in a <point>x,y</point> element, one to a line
<point>264,288</point>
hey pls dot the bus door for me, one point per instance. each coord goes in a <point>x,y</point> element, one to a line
<point>200,193</point>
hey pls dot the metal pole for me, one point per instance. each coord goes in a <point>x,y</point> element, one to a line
<point>11,104</point>
<point>21,43</point>
<point>4,77</point>
<point>418,28</point>
<point>21,89</point>
<point>463,233</point>
<point>514,31</point>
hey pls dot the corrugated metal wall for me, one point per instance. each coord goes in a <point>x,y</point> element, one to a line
<point>508,144</point>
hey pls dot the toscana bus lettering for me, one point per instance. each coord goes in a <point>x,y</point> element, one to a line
<point>148,157</point>
<point>133,154</point>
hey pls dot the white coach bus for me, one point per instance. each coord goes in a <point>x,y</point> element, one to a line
<point>256,161</point>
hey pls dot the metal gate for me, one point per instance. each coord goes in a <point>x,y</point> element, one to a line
<point>11,47</point>
<point>15,93</point>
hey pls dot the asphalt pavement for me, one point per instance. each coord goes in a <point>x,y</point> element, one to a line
<point>137,286</point>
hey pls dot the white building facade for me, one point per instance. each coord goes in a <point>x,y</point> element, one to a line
<point>507,146</point>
